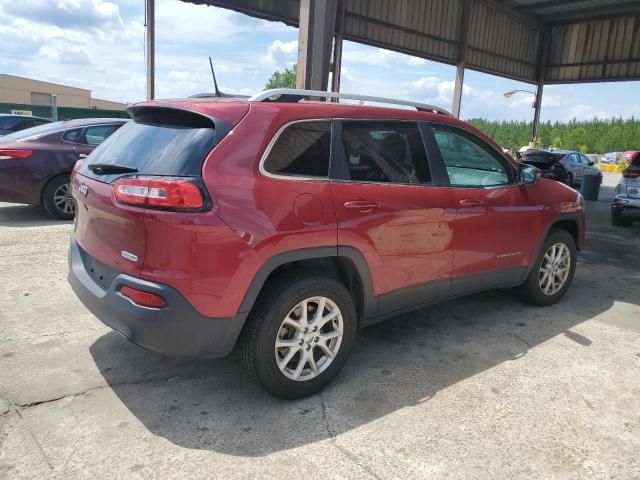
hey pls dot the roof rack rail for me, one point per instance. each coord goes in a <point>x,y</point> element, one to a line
<point>292,95</point>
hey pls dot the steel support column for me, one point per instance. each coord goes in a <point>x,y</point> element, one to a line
<point>317,26</point>
<point>151,48</point>
<point>543,60</point>
<point>336,62</point>
<point>462,56</point>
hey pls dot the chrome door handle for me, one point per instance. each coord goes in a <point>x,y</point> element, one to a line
<point>361,205</point>
<point>471,202</point>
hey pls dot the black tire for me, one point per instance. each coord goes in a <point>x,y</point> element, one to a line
<point>619,221</point>
<point>52,205</point>
<point>568,179</point>
<point>256,347</point>
<point>530,290</point>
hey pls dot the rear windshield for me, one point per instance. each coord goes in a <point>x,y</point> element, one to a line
<point>157,145</point>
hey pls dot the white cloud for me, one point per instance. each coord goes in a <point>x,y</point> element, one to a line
<point>587,112</point>
<point>282,53</point>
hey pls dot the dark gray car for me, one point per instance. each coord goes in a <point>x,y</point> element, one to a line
<point>10,123</point>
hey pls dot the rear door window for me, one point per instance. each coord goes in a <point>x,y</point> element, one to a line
<point>97,134</point>
<point>73,136</point>
<point>384,152</point>
<point>302,149</point>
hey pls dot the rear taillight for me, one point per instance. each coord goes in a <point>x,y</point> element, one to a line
<point>14,154</point>
<point>171,194</point>
<point>631,174</point>
<point>146,299</point>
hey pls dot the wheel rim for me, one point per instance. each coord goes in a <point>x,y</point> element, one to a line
<point>63,200</point>
<point>554,269</point>
<point>309,338</point>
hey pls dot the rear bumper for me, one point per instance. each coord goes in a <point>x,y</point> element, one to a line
<point>626,207</point>
<point>176,330</point>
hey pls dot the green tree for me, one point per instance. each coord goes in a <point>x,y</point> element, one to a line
<point>284,79</point>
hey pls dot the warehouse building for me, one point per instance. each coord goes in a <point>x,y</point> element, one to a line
<point>26,91</point>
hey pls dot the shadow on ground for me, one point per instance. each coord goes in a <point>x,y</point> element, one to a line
<point>399,363</point>
<point>13,215</point>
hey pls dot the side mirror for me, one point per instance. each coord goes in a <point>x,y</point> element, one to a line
<point>528,174</point>
<point>591,162</point>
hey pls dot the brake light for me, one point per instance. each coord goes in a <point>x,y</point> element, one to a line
<point>14,154</point>
<point>631,174</point>
<point>171,194</point>
<point>146,299</point>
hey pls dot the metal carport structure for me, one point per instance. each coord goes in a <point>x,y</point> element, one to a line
<point>534,41</point>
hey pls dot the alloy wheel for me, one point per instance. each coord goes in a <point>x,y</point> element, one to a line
<point>554,269</point>
<point>309,338</point>
<point>63,200</point>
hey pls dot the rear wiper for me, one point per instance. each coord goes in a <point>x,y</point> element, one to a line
<point>105,168</point>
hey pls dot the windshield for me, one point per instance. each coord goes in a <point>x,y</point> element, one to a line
<point>38,131</point>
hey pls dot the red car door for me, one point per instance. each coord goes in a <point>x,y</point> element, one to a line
<point>388,208</point>
<point>497,222</point>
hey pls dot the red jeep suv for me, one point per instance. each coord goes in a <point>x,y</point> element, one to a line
<point>281,226</point>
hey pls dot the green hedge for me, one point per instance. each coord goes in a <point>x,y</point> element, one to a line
<point>65,113</point>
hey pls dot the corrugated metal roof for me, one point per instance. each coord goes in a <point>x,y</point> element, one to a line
<point>590,40</point>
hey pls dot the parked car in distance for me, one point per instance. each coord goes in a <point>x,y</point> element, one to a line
<point>611,157</point>
<point>35,164</point>
<point>10,123</point>
<point>594,157</point>
<point>625,208</point>
<point>628,156</point>
<point>562,165</point>
<point>307,222</point>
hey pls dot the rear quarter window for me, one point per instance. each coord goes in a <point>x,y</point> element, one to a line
<point>301,149</point>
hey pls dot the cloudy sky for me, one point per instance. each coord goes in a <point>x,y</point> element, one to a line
<point>99,45</point>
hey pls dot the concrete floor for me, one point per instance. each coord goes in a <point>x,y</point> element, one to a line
<point>483,387</point>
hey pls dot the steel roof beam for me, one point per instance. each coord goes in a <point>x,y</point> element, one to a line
<point>628,9</point>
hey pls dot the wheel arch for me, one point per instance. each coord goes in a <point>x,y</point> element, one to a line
<point>345,264</point>
<point>51,179</point>
<point>569,222</point>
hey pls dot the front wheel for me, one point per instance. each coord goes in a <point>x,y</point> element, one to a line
<point>57,199</point>
<point>553,270</point>
<point>299,335</point>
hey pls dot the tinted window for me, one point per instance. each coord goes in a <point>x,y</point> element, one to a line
<point>36,131</point>
<point>384,152</point>
<point>39,121</point>
<point>303,148</point>
<point>74,135</point>
<point>158,148</point>
<point>14,124</point>
<point>469,161</point>
<point>96,135</point>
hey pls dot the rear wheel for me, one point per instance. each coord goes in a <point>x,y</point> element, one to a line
<point>57,199</point>
<point>553,270</point>
<point>299,335</point>
<point>568,179</point>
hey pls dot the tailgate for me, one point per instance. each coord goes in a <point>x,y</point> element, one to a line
<point>105,230</point>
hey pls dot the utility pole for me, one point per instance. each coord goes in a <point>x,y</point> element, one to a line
<point>151,48</point>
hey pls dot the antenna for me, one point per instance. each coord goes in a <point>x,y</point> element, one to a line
<point>215,83</point>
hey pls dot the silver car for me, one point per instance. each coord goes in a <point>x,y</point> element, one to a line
<point>625,208</point>
<point>576,165</point>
